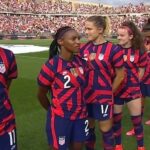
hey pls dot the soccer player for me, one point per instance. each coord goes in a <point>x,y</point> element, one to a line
<point>145,82</point>
<point>104,58</point>
<point>129,92</point>
<point>8,71</point>
<point>63,75</point>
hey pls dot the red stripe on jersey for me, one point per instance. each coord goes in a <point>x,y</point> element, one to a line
<point>11,128</point>
<point>103,92</point>
<point>143,60</point>
<point>60,65</point>
<point>107,77</point>
<point>44,81</point>
<point>99,50</point>
<point>104,100</point>
<point>10,117</point>
<point>12,75</point>
<point>84,111</point>
<point>13,65</point>
<point>131,93</point>
<point>67,94</point>
<point>7,105</point>
<point>69,105</point>
<point>4,58</point>
<point>52,123</point>
<point>88,45</point>
<point>128,60</point>
<point>101,82</point>
<point>2,133</point>
<point>146,77</point>
<point>48,71</point>
<point>108,50</point>
<point>2,80</point>
<point>59,82</point>
<point>2,126</point>
<point>91,98</point>
<point>116,56</point>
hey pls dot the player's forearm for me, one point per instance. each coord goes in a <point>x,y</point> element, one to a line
<point>43,101</point>
<point>118,80</point>
<point>8,84</point>
<point>141,73</point>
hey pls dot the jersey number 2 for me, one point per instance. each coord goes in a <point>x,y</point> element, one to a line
<point>86,127</point>
<point>66,86</point>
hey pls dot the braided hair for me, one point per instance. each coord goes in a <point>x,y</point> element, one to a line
<point>54,48</point>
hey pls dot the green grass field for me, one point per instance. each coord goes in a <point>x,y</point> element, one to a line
<point>30,115</point>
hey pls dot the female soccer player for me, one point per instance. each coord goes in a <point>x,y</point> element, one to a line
<point>103,57</point>
<point>145,82</point>
<point>64,76</point>
<point>129,92</point>
<point>8,71</point>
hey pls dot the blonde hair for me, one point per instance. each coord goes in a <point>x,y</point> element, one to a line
<point>107,30</point>
<point>101,21</point>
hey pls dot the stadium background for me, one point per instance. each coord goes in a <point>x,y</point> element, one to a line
<point>35,22</point>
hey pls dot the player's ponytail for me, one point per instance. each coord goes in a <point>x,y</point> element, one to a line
<point>102,22</point>
<point>107,30</point>
<point>54,48</point>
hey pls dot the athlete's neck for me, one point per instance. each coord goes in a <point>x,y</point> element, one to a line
<point>64,54</point>
<point>99,40</point>
<point>127,45</point>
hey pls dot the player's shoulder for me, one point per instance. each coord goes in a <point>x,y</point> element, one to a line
<point>80,59</point>
<point>6,51</point>
<point>53,63</point>
<point>53,60</point>
<point>116,47</point>
<point>83,46</point>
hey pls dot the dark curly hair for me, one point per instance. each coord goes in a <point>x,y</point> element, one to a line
<point>137,41</point>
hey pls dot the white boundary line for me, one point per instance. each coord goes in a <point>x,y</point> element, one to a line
<point>30,57</point>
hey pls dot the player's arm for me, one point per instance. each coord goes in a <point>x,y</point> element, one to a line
<point>8,83</point>
<point>141,72</point>
<point>42,97</point>
<point>45,79</point>
<point>118,64</point>
<point>118,78</point>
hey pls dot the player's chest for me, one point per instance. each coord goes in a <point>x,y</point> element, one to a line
<point>97,59</point>
<point>69,77</point>
<point>131,58</point>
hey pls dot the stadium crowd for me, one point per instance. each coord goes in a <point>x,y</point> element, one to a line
<point>37,21</point>
<point>59,6</point>
<point>38,25</point>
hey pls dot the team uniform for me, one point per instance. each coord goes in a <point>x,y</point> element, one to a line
<point>103,59</point>
<point>8,71</point>
<point>128,91</point>
<point>145,83</point>
<point>66,117</point>
<point>130,87</point>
